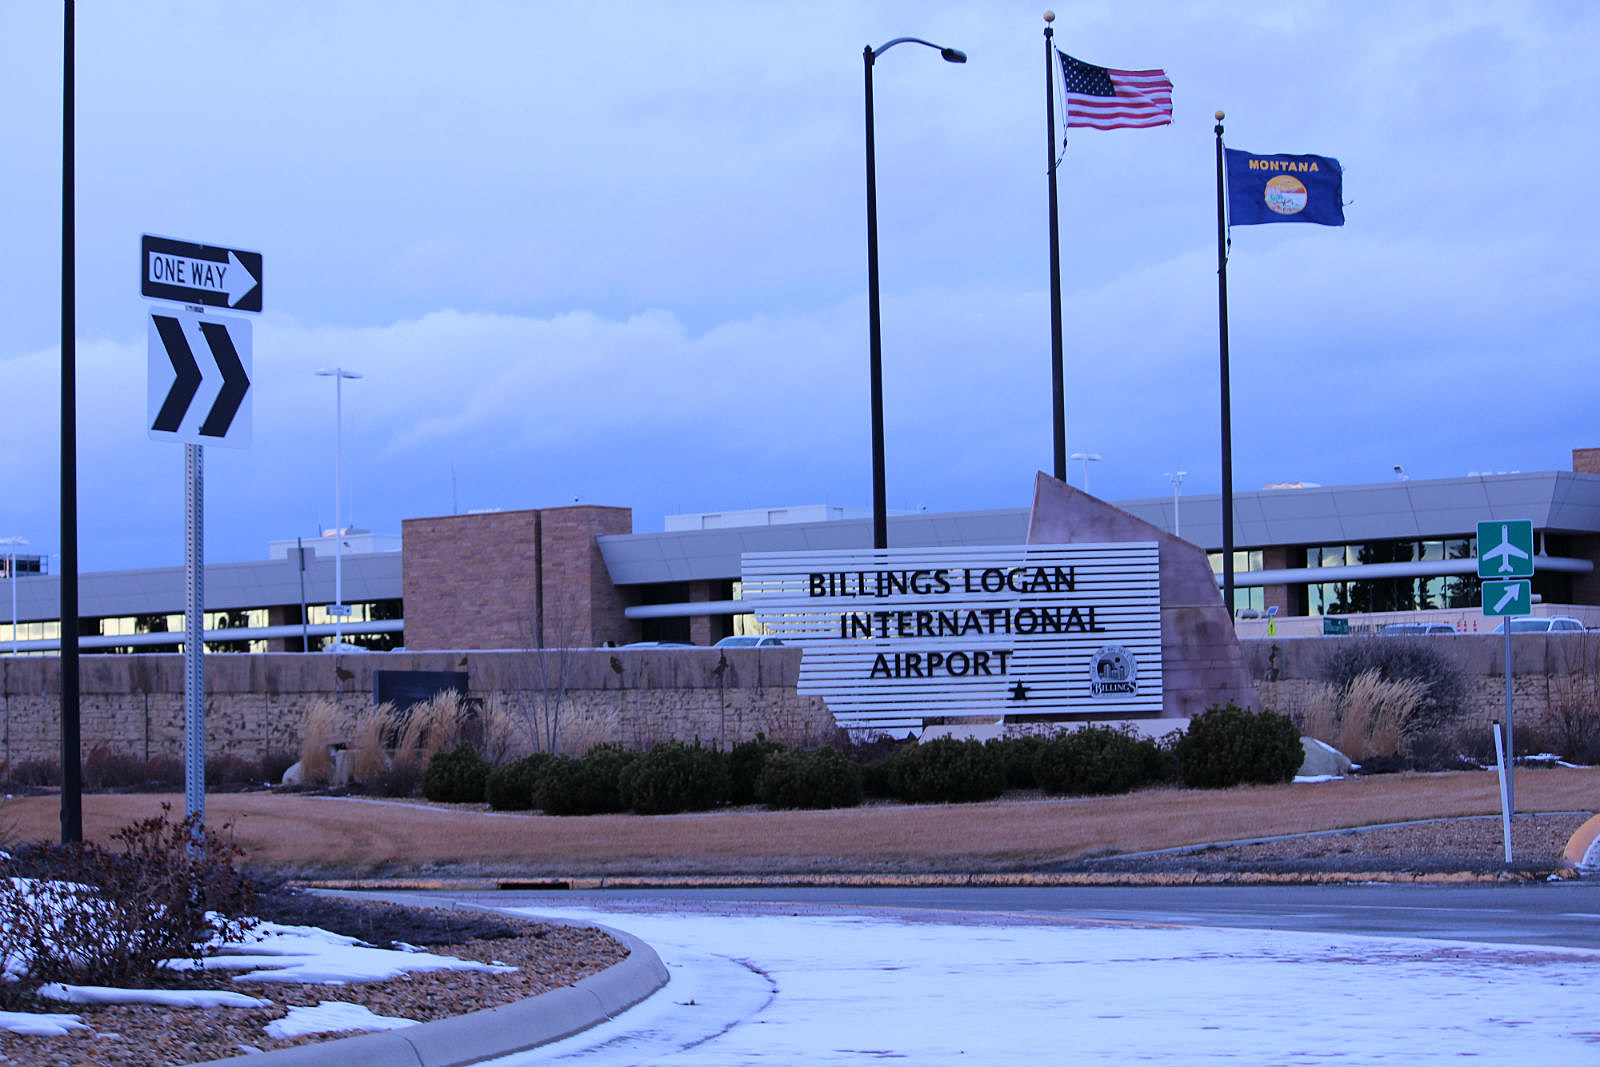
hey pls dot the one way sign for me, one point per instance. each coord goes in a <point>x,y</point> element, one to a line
<point>199,381</point>
<point>191,273</point>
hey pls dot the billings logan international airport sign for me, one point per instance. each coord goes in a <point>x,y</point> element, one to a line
<point>891,637</point>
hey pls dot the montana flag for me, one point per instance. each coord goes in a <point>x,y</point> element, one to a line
<point>1105,99</point>
<point>1284,189</point>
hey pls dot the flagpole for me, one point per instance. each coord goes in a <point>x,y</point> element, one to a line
<point>1057,374</point>
<point>1227,423</point>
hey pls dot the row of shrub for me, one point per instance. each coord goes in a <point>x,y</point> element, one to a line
<point>110,770</point>
<point>1225,746</point>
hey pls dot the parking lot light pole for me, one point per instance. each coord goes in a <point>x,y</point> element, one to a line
<point>338,374</point>
<point>11,572</point>
<point>880,521</point>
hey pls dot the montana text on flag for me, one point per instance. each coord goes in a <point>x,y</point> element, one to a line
<point>1105,99</point>
<point>1284,188</point>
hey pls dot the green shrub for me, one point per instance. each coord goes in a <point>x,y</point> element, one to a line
<point>814,778</point>
<point>1227,745</point>
<point>510,785</point>
<point>590,785</point>
<point>456,777</point>
<point>1019,754</point>
<point>674,776</point>
<point>1402,659</point>
<point>1091,761</point>
<point>946,771</point>
<point>745,761</point>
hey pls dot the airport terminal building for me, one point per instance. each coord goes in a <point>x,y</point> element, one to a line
<point>580,576</point>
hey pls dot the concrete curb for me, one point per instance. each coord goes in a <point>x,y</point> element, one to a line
<point>486,1034</point>
<point>931,881</point>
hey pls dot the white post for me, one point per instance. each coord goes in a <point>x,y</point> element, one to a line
<point>1177,483</point>
<point>338,374</point>
<point>13,542</point>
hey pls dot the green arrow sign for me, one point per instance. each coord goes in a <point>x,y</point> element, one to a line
<point>1508,598</point>
<point>1505,550</point>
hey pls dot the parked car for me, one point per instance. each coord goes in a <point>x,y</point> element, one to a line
<point>748,641</point>
<point>1540,624</point>
<point>1408,628</point>
<point>659,644</point>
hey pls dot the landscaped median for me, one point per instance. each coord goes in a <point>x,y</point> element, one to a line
<point>311,836</point>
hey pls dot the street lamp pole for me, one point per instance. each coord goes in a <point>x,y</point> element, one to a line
<point>11,571</point>
<point>1088,458</point>
<point>880,521</point>
<point>338,374</point>
<point>1176,478</point>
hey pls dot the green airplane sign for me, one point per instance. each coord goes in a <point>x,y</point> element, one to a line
<point>1508,598</point>
<point>1505,550</point>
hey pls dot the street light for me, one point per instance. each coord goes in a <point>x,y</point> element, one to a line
<point>1176,478</point>
<point>880,522</point>
<point>338,374</point>
<point>11,570</point>
<point>1088,458</point>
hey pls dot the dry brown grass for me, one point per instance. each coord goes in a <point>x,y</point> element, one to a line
<point>322,728</point>
<point>1365,718</point>
<point>332,836</point>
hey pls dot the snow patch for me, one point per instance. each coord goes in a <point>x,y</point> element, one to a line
<point>332,1016</point>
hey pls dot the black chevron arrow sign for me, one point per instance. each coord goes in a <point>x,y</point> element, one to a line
<point>199,388</point>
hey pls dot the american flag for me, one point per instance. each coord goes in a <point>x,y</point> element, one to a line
<point>1107,99</point>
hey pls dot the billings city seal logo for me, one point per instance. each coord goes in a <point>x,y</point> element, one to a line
<point>1113,670</point>
<point>1286,195</point>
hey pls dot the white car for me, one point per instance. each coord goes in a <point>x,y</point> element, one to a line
<point>748,641</point>
<point>1403,629</point>
<point>1540,624</point>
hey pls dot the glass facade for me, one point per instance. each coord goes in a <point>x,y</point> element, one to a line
<point>1388,594</point>
<point>1244,597</point>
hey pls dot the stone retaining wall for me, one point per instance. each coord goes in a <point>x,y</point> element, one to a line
<point>255,703</point>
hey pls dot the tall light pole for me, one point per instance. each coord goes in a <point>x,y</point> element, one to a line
<point>1176,478</point>
<point>1088,458</point>
<point>338,374</point>
<point>880,521</point>
<point>11,571</point>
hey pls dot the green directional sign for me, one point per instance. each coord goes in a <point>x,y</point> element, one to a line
<point>1508,598</point>
<point>1505,550</point>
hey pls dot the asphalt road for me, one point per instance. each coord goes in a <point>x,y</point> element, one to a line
<point>1555,914</point>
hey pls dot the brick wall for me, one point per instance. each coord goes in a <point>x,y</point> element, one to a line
<point>513,579</point>
<point>471,581</point>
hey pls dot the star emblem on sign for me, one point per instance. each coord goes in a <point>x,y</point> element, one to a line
<point>1019,692</point>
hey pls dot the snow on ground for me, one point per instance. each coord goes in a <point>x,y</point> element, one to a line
<point>844,988</point>
<point>271,952</point>
<point>170,998</point>
<point>332,1016</point>
<point>274,952</point>
<point>39,1023</point>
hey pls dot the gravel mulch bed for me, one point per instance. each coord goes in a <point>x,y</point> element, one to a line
<point>546,957</point>
<point>1472,845</point>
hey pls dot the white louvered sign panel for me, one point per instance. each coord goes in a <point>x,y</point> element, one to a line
<point>892,636</point>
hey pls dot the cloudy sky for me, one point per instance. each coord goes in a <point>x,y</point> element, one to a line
<point>617,254</point>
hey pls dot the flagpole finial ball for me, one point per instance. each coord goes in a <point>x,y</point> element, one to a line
<point>1049,16</point>
<point>1220,116</point>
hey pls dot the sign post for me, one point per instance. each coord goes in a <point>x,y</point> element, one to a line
<point>198,392</point>
<point>1505,567</point>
